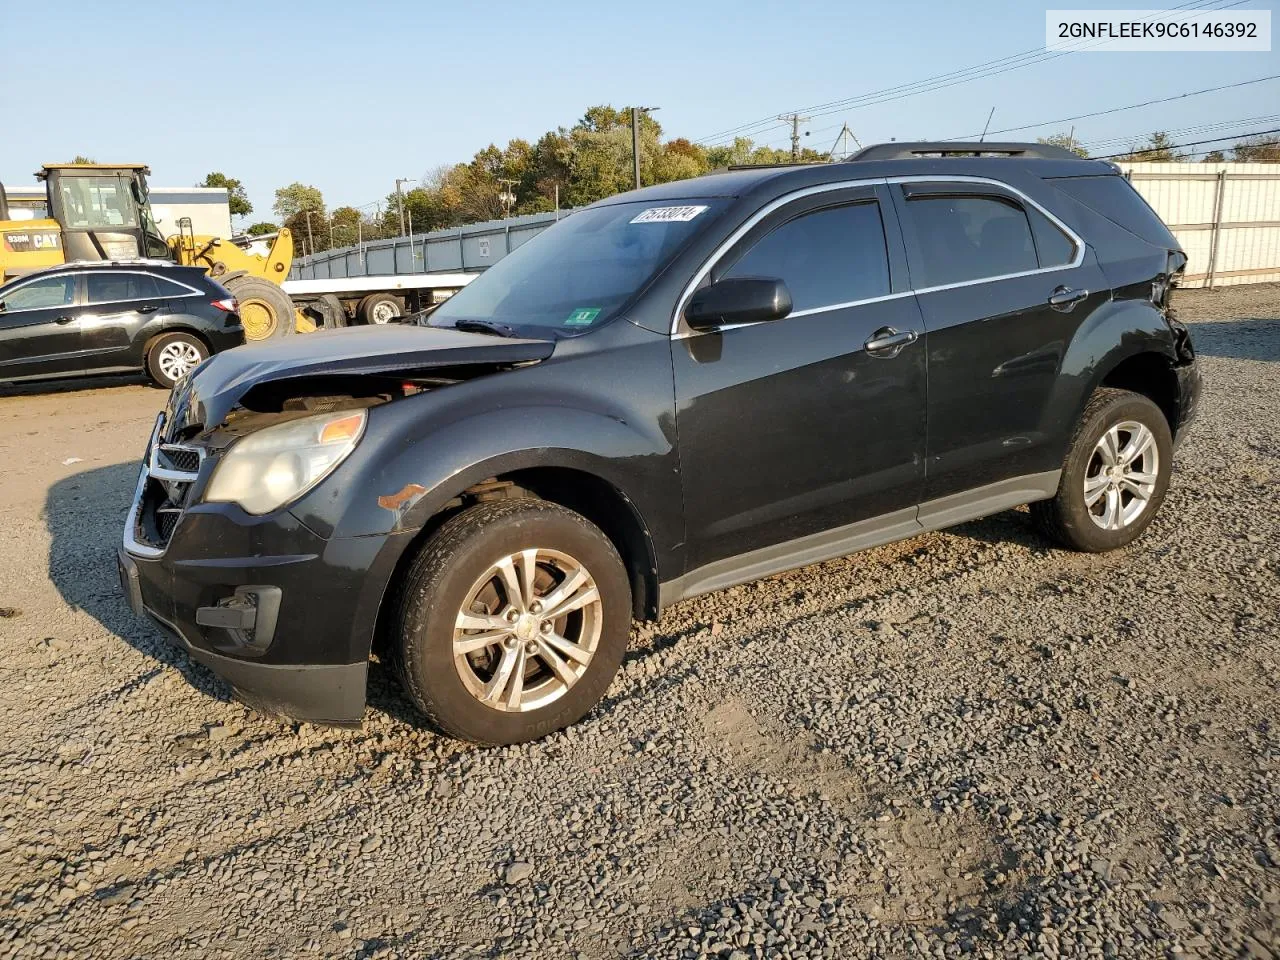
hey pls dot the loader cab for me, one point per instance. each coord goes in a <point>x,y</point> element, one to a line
<point>104,211</point>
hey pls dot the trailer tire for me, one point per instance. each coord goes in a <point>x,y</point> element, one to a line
<point>332,311</point>
<point>380,308</point>
<point>265,310</point>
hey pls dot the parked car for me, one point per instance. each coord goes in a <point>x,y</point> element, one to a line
<point>114,317</point>
<point>670,392</point>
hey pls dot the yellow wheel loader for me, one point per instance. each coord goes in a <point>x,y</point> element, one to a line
<point>101,212</point>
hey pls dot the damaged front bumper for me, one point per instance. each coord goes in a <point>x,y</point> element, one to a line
<point>285,616</point>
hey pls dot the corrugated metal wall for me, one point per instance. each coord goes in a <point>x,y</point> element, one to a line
<point>1225,215</point>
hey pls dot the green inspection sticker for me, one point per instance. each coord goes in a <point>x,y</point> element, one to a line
<point>582,317</point>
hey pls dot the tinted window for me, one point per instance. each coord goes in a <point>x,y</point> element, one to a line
<point>969,238</point>
<point>51,292</point>
<point>824,257</point>
<point>579,273</point>
<point>1114,198</point>
<point>96,202</point>
<point>167,288</point>
<point>1054,247</point>
<point>113,287</point>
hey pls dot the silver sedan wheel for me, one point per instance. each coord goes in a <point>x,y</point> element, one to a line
<point>527,630</point>
<point>1121,477</point>
<point>177,359</point>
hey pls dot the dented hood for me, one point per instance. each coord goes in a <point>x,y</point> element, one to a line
<point>207,396</point>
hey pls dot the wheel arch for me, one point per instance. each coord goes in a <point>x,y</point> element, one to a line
<point>576,488</point>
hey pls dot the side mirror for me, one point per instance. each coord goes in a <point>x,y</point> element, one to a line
<point>738,300</point>
<point>3,308</point>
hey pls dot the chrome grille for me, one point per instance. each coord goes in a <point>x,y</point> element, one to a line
<point>164,487</point>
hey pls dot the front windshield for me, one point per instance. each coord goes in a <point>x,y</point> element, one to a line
<point>92,203</point>
<point>579,273</point>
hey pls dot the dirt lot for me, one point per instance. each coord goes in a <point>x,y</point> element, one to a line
<point>967,743</point>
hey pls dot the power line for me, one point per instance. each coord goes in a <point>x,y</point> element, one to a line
<point>1183,131</point>
<point>953,78</point>
<point>1238,137</point>
<point>1132,106</point>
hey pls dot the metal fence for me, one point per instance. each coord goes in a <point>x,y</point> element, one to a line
<point>468,249</point>
<point>1225,215</point>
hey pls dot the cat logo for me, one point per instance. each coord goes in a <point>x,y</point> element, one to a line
<point>29,242</point>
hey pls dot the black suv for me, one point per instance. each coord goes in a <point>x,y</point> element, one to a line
<point>669,392</point>
<point>116,317</point>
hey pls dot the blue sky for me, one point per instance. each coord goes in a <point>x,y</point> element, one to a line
<point>349,97</point>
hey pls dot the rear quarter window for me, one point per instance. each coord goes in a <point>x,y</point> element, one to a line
<point>1113,197</point>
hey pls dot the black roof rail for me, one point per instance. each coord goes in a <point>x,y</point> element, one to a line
<point>954,148</point>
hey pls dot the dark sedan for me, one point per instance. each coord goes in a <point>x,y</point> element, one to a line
<point>94,318</point>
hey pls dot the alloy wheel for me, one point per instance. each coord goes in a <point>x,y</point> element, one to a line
<point>177,359</point>
<point>527,630</point>
<point>1121,477</point>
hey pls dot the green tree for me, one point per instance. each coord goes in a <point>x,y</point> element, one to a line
<point>1158,149</point>
<point>1263,149</point>
<point>1214,156</point>
<point>344,226</point>
<point>262,228</point>
<point>83,159</point>
<point>237,197</point>
<point>296,198</point>
<point>1068,141</point>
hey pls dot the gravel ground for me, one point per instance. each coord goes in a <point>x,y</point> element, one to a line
<point>967,743</point>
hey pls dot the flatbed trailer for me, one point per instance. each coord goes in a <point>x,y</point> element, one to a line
<point>373,299</point>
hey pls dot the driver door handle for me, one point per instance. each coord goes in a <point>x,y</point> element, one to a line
<point>63,319</point>
<point>888,342</point>
<point>1063,298</point>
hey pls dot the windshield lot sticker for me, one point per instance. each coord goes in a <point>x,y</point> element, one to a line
<point>582,317</point>
<point>667,214</point>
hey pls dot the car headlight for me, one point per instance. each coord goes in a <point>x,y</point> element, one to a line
<point>268,469</point>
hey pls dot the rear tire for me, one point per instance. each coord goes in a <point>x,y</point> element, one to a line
<point>172,356</point>
<point>380,308</point>
<point>474,643</point>
<point>265,310</point>
<point>331,310</point>
<point>1115,476</point>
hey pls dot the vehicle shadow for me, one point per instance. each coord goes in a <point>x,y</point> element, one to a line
<point>1244,339</point>
<point>84,515</point>
<point>72,385</point>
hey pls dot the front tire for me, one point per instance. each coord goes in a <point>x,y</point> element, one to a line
<point>172,356</point>
<point>1115,476</point>
<point>511,622</point>
<point>265,309</point>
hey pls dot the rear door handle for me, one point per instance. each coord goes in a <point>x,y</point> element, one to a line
<point>148,308</point>
<point>888,342</point>
<point>63,319</point>
<point>1063,298</point>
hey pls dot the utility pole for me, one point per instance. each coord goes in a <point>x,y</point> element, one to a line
<point>506,195</point>
<point>310,241</point>
<point>635,138</point>
<point>795,120</point>
<point>400,200</point>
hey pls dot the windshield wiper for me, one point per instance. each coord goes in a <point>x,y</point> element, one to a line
<point>485,326</point>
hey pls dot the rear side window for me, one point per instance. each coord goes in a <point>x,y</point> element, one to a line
<point>1114,198</point>
<point>826,257</point>
<point>167,288</point>
<point>969,238</point>
<point>1054,248</point>
<point>115,287</point>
